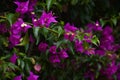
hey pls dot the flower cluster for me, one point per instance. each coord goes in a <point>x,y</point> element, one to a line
<point>42,48</point>
<point>16,31</point>
<point>25,7</point>
<point>45,20</point>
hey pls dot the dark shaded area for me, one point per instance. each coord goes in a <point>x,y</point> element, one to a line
<point>78,13</point>
<point>7,6</point>
<point>93,10</point>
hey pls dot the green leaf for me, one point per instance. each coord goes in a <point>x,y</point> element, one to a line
<point>12,18</point>
<point>21,54</point>
<point>18,61</point>
<point>114,20</point>
<point>64,41</point>
<point>99,66</point>
<point>27,68</point>
<point>2,20</point>
<point>12,66</point>
<point>4,67</point>
<point>102,22</point>
<point>5,57</point>
<point>71,48</point>
<point>60,31</point>
<point>44,31</point>
<point>97,74</point>
<point>8,75</point>
<point>25,40</point>
<point>115,77</point>
<point>36,34</point>
<point>22,63</point>
<point>26,48</point>
<point>95,40</point>
<point>47,52</point>
<point>73,2</point>
<point>50,3</point>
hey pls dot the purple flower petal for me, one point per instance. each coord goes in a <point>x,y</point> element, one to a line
<point>32,76</point>
<point>70,28</point>
<point>100,52</point>
<point>63,54</point>
<point>94,26</point>
<point>22,7</point>
<point>53,49</point>
<point>46,19</point>
<point>54,58</point>
<point>90,51</point>
<point>79,46</point>
<point>13,58</point>
<point>42,47</point>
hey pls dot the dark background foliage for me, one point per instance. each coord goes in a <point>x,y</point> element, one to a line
<point>77,12</point>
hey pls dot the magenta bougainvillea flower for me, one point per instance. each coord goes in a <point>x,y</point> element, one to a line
<point>37,67</point>
<point>53,49</point>
<point>63,54</point>
<point>107,40</point>
<point>42,47</point>
<point>32,4</point>
<point>35,22</point>
<point>107,30</point>
<point>69,36</point>
<point>94,26</point>
<point>13,58</point>
<point>22,7</point>
<point>32,76</point>
<point>79,46</point>
<point>18,77</point>
<point>14,39</point>
<point>107,34</point>
<point>90,51</point>
<point>16,30</point>
<point>69,31</point>
<point>25,27</point>
<point>110,70</point>
<point>69,28</point>
<point>46,19</point>
<point>88,37</point>
<point>100,52</point>
<point>54,58</point>
<point>20,26</point>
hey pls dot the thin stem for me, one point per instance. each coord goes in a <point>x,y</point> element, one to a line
<point>3,17</point>
<point>46,28</point>
<point>52,30</point>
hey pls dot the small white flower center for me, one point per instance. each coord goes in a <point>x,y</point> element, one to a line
<point>35,20</point>
<point>21,39</point>
<point>23,25</point>
<point>97,24</point>
<point>32,12</point>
